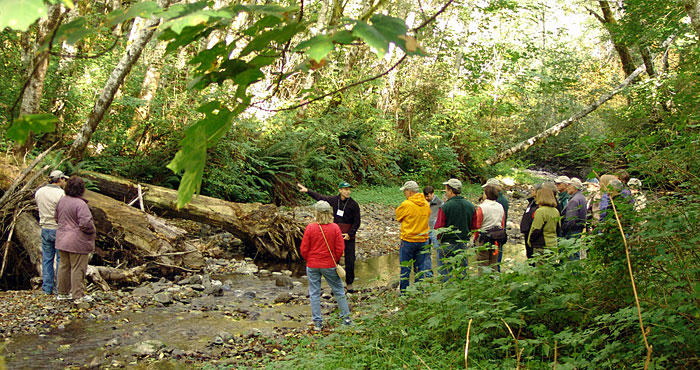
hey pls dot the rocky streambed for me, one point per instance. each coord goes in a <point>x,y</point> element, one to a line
<point>235,312</point>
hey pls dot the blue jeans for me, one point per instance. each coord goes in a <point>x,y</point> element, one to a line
<point>333,280</point>
<point>48,255</point>
<point>447,251</point>
<point>500,256</point>
<point>418,253</point>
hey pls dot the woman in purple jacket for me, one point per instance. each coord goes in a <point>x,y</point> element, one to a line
<point>75,241</point>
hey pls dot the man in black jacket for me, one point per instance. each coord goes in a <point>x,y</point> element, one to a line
<point>346,213</point>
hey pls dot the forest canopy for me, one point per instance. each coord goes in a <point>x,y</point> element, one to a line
<point>239,101</point>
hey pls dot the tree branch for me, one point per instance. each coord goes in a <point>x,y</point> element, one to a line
<point>432,18</point>
<point>79,56</point>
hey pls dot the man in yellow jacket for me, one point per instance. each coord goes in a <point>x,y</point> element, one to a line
<point>413,213</point>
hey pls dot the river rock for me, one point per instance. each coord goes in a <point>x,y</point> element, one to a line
<point>163,298</point>
<point>143,291</point>
<point>284,298</point>
<point>148,347</point>
<point>249,294</point>
<point>215,290</point>
<point>197,287</point>
<point>284,281</point>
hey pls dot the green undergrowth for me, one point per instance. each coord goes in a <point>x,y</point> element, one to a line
<point>392,196</point>
<point>578,314</point>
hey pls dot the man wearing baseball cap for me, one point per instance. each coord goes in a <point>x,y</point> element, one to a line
<point>413,213</point>
<point>346,213</point>
<point>562,183</point>
<point>457,213</point>
<point>575,213</point>
<point>46,198</point>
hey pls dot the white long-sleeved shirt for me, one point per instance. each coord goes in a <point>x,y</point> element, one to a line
<point>46,199</point>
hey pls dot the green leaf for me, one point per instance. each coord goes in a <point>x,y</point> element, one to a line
<point>384,31</point>
<point>318,47</point>
<point>68,4</point>
<point>192,155</point>
<point>37,123</point>
<point>197,18</point>
<point>249,76</point>
<point>20,14</point>
<point>179,10</point>
<point>343,37</point>
<point>73,31</point>
<point>372,37</point>
<point>264,23</point>
<point>144,10</point>
<point>281,12</point>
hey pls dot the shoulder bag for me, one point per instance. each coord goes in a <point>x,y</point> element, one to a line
<point>338,268</point>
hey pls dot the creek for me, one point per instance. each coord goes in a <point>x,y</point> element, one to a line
<point>248,309</point>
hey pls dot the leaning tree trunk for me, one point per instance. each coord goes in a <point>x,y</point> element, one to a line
<point>554,130</point>
<point>256,224</point>
<point>116,78</point>
<point>39,64</point>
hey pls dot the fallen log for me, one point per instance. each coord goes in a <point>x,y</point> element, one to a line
<point>134,236</point>
<point>133,230</point>
<point>258,225</point>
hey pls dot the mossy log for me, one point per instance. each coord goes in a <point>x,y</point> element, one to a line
<point>258,225</point>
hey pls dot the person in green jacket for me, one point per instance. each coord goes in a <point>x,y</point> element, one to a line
<point>546,222</point>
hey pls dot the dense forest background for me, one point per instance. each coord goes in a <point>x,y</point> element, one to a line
<point>242,101</point>
<point>491,73</point>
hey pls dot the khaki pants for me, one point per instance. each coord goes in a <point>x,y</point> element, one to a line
<point>486,257</point>
<point>71,273</point>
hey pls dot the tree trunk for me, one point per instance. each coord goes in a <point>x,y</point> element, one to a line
<point>131,229</point>
<point>28,234</point>
<point>116,78</point>
<point>610,22</point>
<point>257,225</point>
<point>554,130</point>
<point>38,65</point>
<point>692,7</point>
<point>139,130</point>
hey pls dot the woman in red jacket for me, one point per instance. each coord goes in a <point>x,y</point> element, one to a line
<point>321,248</point>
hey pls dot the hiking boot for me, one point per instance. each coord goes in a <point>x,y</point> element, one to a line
<point>64,297</point>
<point>350,288</point>
<point>347,321</point>
<point>317,327</point>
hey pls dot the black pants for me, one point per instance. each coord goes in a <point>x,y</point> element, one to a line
<point>349,261</point>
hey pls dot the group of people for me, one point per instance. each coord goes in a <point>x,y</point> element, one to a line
<point>557,209</point>
<point>450,226</point>
<point>67,236</point>
<point>561,209</point>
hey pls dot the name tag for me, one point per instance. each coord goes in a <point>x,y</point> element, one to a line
<point>340,213</point>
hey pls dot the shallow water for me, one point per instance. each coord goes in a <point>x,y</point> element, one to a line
<point>189,328</point>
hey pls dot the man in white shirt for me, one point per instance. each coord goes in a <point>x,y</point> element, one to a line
<point>46,199</point>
